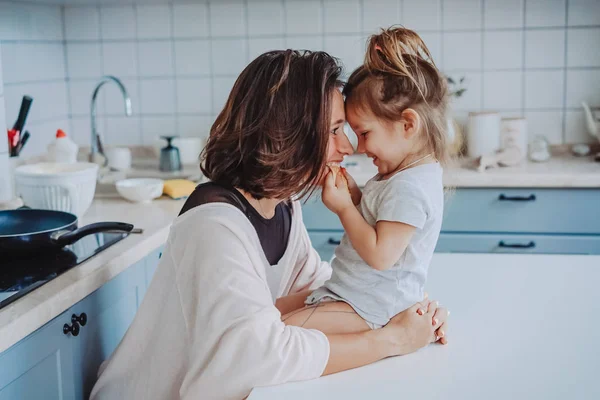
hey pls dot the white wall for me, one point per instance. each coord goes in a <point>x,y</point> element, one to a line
<point>537,58</point>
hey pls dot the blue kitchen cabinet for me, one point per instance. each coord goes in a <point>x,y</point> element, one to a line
<point>108,313</point>
<point>41,365</point>
<point>494,220</point>
<point>51,364</point>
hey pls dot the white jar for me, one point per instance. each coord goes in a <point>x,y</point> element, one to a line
<point>483,134</point>
<point>513,133</point>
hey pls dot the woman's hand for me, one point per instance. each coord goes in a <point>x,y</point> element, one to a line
<point>411,330</point>
<point>336,195</point>
<point>355,192</point>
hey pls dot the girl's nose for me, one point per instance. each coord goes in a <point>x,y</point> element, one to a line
<point>360,148</point>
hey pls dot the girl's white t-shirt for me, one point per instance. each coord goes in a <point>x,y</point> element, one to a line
<point>415,197</point>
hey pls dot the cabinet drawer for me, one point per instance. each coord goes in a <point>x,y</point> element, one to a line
<point>317,216</point>
<point>518,243</point>
<point>523,210</point>
<point>325,243</point>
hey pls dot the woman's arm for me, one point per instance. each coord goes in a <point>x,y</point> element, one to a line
<point>292,302</point>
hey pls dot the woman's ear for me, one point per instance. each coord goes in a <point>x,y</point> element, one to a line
<point>411,123</point>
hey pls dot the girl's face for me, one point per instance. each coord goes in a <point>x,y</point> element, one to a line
<point>388,144</point>
<point>339,145</point>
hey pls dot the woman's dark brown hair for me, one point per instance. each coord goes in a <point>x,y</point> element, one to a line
<point>271,137</point>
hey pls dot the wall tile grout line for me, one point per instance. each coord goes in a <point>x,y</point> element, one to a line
<point>139,70</point>
<point>565,74</point>
<point>482,5</point>
<point>175,79</point>
<point>523,54</point>
<point>207,10</point>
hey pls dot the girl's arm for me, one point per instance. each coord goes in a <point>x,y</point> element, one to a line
<point>380,247</point>
<point>291,302</point>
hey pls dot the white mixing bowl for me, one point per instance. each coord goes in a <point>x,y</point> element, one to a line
<point>141,190</point>
<point>57,186</point>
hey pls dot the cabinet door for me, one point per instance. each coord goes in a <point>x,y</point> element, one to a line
<point>109,312</point>
<point>40,366</point>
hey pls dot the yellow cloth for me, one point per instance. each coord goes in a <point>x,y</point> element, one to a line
<point>178,188</point>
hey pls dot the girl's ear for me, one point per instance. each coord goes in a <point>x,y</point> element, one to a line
<point>410,123</point>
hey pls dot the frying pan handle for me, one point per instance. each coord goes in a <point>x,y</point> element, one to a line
<point>64,238</point>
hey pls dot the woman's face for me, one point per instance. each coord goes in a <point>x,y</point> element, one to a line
<point>339,145</point>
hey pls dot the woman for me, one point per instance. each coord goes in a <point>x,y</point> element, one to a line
<point>210,324</point>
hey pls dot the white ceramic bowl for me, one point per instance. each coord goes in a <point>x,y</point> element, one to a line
<point>189,148</point>
<point>140,190</point>
<point>57,186</point>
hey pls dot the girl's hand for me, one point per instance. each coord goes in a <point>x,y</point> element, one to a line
<point>336,195</point>
<point>355,192</point>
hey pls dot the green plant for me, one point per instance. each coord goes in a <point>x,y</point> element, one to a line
<point>457,89</point>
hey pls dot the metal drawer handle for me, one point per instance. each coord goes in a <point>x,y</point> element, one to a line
<point>333,242</point>
<point>504,197</point>
<point>529,245</point>
<point>81,320</point>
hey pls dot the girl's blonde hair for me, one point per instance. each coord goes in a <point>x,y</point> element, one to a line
<point>399,73</point>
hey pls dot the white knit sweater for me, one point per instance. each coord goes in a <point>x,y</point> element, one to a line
<point>208,327</point>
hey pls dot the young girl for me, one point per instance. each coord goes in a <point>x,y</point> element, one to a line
<point>396,104</point>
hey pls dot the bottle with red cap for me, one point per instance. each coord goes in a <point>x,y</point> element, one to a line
<point>62,149</point>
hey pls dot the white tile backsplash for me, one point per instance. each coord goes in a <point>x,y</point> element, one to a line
<point>84,60</point>
<point>462,14</point>
<point>544,89</point>
<point>190,20</point>
<point>229,56</point>
<point>583,47</point>
<point>120,59</point>
<point>545,48</point>
<point>6,186</point>
<point>180,59</point>
<point>582,85</point>
<point>3,127</point>
<point>153,127</point>
<point>194,96</point>
<point>422,14</point>
<point>503,90</point>
<point>265,17</point>
<point>503,14</point>
<point>303,17</point>
<point>378,14</point>
<point>227,18</point>
<point>546,123</point>
<point>122,131</point>
<point>157,96</point>
<point>153,21</point>
<point>584,12</point>
<point>462,50</point>
<point>503,49</point>
<point>545,13</point>
<point>156,58</point>
<point>192,57</point>
<point>118,22</point>
<point>257,46</point>
<point>342,16</point>
<point>82,23</point>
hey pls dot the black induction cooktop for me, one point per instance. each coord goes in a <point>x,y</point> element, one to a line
<point>21,274</point>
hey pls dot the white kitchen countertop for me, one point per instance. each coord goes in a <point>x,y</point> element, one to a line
<point>25,315</point>
<point>561,171</point>
<point>522,327</point>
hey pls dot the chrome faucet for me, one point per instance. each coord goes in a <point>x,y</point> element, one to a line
<point>96,145</point>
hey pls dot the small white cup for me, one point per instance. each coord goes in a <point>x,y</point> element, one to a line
<point>119,158</point>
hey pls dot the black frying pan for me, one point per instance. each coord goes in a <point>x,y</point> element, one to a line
<point>41,230</point>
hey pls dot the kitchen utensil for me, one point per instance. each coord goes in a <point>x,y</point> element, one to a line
<point>57,186</point>
<point>22,142</point>
<point>28,230</point>
<point>13,141</point>
<point>140,190</point>
<point>119,158</point>
<point>169,156</point>
<point>483,134</point>
<point>513,134</point>
<point>25,106</point>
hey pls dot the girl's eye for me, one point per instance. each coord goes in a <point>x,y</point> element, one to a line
<point>364,134</point>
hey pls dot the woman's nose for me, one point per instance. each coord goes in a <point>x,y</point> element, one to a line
<point>344,146</point>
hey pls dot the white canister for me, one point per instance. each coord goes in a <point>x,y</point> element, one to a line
<point>483,133</point>
<point>513,133</point>
<point>119,158</point>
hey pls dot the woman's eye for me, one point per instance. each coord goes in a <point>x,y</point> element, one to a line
<point>335,131</point>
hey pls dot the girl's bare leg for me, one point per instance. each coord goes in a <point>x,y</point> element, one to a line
<point>328,317</point>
